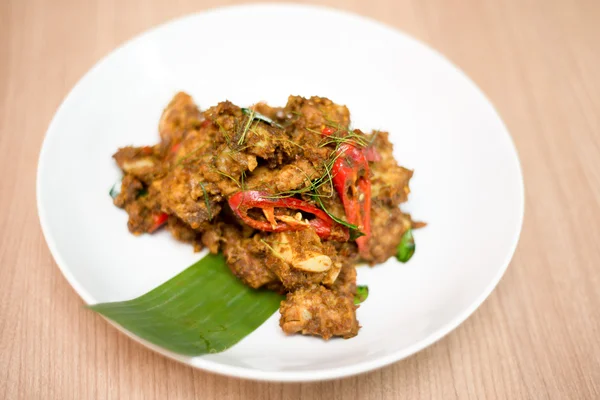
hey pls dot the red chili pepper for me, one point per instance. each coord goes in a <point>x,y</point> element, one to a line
<point>324,226</point>
<point>327,131</point>
<point>371,154</point>
<point>351,182</point>
<point>158,220</point>
<point>147,150</point>
<point>175,147</point>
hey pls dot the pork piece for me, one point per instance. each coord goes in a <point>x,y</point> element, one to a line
<point>229,168</point>
<point>211,164</point>
<point>388,224</point>
<point>246,257</point>
<point>308,118</point>
<point>243,132</point>
<point>300,259</point>
<point>212,237</point>
<point>345,284</point>
<point>194,192</point>
<point>144,163</point>
<point>277,114</point>
<point>295,175</point>
<point>325,310</point>
<point>319,311</point>
<point>346,254</point>
<point>204,171</point>
<point>184,233</point>
<point>268,142</point>
<point>389,181</point>
<point>141,203</point>
<point>196,143</point>
<point>186,195</point>
<point>180,116</point>
<point>317,112</point>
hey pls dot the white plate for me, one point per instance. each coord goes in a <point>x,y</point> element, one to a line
<point>467,185</point>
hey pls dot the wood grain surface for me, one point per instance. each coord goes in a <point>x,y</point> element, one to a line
<point>536,337</point>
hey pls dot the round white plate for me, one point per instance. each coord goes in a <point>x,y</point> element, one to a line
<point>467,183</point>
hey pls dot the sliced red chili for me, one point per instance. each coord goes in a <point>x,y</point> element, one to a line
<point>175,147</point>
<point>158,220</point>
<point>327,131</point>
<point>147,150</point>
<point>371,154</point>
<point>242,202</point>
<point>351,182</point>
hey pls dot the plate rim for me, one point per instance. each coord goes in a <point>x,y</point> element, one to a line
<point>282,376</point>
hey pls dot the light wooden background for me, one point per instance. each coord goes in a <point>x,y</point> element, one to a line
<point>536,337</point>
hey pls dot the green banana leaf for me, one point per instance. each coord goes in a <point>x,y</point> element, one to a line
<point>204,309</point>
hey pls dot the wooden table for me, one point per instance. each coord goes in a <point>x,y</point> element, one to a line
<point>537,336</point>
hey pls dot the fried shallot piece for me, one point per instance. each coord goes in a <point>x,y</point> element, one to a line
<point>299,259</point>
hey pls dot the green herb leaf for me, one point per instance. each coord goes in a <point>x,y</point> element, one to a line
<point>115,190</point>
<point>247,126</point>
<point>362,292</point>
<point>355,233</point>
<point>258,116</point>
<point>406,248</point>
<point>142,193</point>
<point>206,201</point>
<point>204,309</point>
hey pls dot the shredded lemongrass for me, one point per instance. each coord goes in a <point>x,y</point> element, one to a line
<point>246,128</point>
<point>258,116</point>
<point>206,201</point>
<point>184,158</point>
<point>275,253</point>
<point>243,180</point>
<point>228,176</point>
